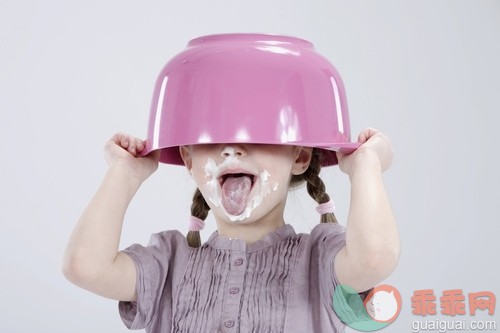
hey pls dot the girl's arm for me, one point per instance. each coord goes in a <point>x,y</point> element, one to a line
<point>92,260</point>
<point>372,241</point>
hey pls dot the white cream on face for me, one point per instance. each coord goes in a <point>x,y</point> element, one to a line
<point>212,189</point>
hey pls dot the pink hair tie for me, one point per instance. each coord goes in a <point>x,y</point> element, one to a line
<point>325,208</point>
<point>196,224</point>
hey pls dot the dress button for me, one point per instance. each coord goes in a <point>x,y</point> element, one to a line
<point>238,262</point>
<point>234,290</point>
<point>229,323</point>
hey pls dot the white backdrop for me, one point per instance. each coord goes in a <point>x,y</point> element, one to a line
<point>74,72</point>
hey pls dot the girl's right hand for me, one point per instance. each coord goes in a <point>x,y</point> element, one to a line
<point>124,150</point>
<point>373,144</point>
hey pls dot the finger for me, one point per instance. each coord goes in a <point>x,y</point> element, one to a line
<point>137,146</point>
<point>123,140</point>
<point>140,145</point>
<point>363,136</point>
<point>116,140</point>
<point>132,147</point>
<point>366,134</point>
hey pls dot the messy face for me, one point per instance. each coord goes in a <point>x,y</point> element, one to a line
<point>242,182</point>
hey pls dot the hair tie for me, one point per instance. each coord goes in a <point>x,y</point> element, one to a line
<point>325,208</point>
<point>196,224</point>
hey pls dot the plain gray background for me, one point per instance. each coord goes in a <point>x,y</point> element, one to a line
<point>74,72</point>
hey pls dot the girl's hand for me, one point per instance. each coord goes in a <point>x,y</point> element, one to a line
<point>124,150</point>
<point>375,148</point>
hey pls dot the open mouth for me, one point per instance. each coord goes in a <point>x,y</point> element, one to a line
<point>236,190</point>
<point>224,177</point>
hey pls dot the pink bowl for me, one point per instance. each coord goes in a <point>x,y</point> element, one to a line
<point>249,88</point>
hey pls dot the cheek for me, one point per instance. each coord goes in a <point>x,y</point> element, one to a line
<point>275,186</point>
<point>204,177</point>
<point>198,171</point>
<point>201,178</point>
<point>281,173</point>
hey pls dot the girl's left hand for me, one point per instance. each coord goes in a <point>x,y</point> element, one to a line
<point>375,148</point>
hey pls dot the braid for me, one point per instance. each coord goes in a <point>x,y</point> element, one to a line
<point>199,209</point>
<point>315,186</point>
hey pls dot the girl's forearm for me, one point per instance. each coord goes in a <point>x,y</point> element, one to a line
<point>372,239</point>
<point>94,243</point>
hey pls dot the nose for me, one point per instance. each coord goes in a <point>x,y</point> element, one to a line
<point>233,150</point>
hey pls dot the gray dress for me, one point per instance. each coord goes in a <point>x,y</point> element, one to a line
<point>281,283</point>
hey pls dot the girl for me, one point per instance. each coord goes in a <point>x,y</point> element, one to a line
<point>254,274</point>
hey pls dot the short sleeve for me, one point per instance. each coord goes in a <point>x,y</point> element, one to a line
<point>153,263</point>
<point>327,239</point>
<point>340,301</point>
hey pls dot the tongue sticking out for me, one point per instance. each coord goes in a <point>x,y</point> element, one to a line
<point>235,191</point>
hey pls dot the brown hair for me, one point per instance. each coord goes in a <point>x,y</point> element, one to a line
<point>315,187</point>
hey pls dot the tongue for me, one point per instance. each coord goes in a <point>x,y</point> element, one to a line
<point>235,190</point>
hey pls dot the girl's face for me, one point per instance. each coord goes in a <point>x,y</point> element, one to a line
<point>243,183</point>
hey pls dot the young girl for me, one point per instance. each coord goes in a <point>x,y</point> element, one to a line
<point>254,274</point>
